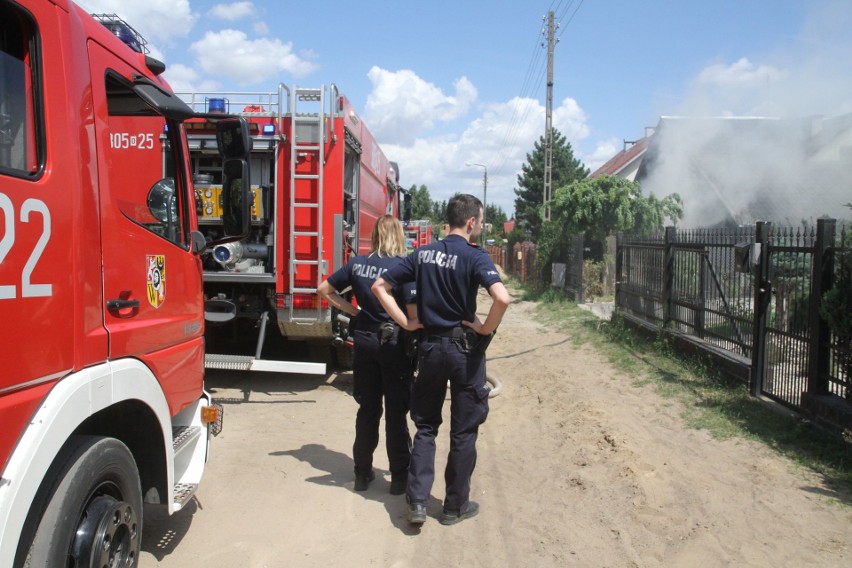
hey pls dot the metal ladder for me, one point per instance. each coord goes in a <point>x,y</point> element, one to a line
<point>307,137</point>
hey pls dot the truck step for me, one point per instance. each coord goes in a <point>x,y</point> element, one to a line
<point>248,363</point>
<point>228,362</point>
<point>183,435</point>
<point>183,493</point>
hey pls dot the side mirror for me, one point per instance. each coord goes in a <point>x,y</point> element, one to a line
<point>161,201</point>
<point>236,198</point>
<point>232,138</point>
<point>197,243</point>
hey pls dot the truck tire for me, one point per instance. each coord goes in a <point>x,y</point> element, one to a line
<point>93,511</point>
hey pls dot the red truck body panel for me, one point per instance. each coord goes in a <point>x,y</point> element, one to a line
<point>320,182</point>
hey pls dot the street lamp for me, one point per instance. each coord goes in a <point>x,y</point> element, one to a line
<point>484,192</point>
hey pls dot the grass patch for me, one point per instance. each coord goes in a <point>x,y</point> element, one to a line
<point>709,401</point>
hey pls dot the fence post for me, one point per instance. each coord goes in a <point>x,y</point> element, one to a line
<point>762,297</point>
<point>619,250</point>
<point>703,259</point>
<point>668,274</point>
<point>821,281</point>
<point>577,246</point>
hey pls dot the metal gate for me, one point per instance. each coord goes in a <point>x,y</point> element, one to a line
<point>786,284</point>
<point>752,292</point>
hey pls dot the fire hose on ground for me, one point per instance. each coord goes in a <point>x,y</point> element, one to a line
<point>496,385</point>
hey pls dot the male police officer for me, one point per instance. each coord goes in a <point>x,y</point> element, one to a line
<point>452,346</point>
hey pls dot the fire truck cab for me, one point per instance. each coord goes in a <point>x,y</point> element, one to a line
<point>320,181</point>
<point>102,402</point>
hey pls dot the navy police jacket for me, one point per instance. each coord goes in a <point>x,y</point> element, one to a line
<point>448,275</point>
<point>360,273</point>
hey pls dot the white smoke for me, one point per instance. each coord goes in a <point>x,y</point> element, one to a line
<point>767,138</point>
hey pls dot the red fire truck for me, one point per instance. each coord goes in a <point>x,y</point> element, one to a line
<point>320,181</point>
<point>417,233</point>
<point>102,403</point>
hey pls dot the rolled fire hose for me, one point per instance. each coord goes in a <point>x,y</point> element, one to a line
<point>496,385</point>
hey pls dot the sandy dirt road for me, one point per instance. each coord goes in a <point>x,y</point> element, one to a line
<point>577,466</point>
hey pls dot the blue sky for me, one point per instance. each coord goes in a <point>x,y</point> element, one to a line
<point>446,83</point>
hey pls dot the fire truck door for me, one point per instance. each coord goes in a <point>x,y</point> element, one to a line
<point>36,286</point>
<point>151,280</point>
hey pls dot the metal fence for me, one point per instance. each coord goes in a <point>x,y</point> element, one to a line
<point>523,262</point>
<point>568,275</point>
<point>579,279</point>
<point>750,297</point>
<point>499,255</point>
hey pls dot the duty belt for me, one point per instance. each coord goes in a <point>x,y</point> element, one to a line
<point>369,326</point>
<point>469,340</point>
<point>454,332</point>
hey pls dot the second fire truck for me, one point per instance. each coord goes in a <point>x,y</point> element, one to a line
<point>320,181</point>
<point>417,234</point>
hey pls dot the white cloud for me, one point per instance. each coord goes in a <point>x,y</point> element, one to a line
<point>402,106</point>
<point>402,109</point>
<point>156,20</point>
<point>603,152</point>
<point>742,73</point>
<point>185,79</point>
<point>500,138</point>
<point>260,28</point>
<point>571,121</point>
<point>230,53</point>
<point>232,12</point>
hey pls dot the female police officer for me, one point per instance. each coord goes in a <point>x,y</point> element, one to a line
<point>380,366</point>
<point>448,275</point>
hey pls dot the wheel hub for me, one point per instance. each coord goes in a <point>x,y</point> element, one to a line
<point>107,535</point>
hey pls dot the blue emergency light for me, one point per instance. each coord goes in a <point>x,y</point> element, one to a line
<point>216,105</point>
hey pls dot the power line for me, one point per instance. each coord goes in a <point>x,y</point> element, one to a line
<point>514,130</point>
<point>533,78</point>
<point>530,78</point>
<point>571,18</point>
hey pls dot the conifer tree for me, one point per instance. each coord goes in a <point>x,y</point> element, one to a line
<point>566,169</point>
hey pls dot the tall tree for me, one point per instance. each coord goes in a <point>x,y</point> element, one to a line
<point>495,216</point>
<point>421,202</point>
<point>438,215</point>
<point>566,169</point>
<point>601,207</point>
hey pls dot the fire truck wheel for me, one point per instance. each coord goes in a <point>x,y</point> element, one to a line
<point>94,484</point>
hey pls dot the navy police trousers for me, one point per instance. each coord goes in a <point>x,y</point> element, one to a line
<point>381,371</point>
<point>442,359</point>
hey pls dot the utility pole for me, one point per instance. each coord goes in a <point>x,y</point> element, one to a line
<point>548,121</point>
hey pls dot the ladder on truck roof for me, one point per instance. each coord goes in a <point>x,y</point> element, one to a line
<point>307,141</point>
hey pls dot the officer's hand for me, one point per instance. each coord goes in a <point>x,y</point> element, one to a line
<point>475,325</point>
<point>413,325</point>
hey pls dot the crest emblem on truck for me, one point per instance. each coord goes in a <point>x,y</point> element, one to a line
<point>156,279</point>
